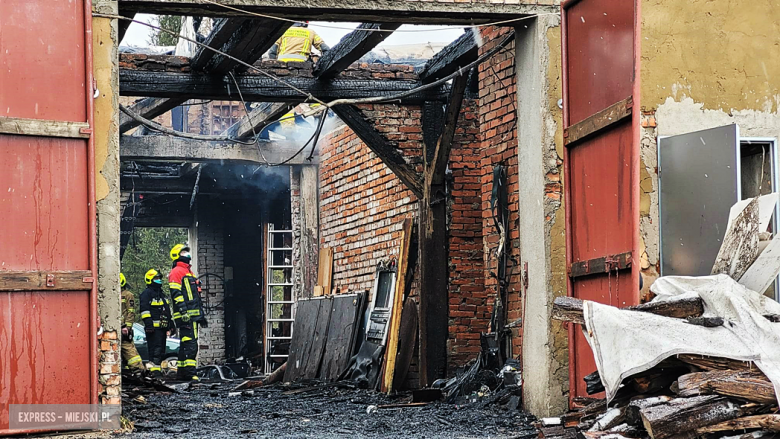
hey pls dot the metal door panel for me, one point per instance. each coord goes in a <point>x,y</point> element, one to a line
<point>42,58</point>
<point>601,161</point>
<point>600,56</point>
<point>600,188</point>
<point>45,337</point>
<point>43,204</point>
<point>48,342</point>
<point>698,176</point>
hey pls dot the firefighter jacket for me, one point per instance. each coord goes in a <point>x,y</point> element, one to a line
<point>296,44</point>
<point>155,311</point>
<point>128,309</point>
<point>185,293</point>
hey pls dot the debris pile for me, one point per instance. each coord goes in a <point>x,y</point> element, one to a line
<point>699,360</point>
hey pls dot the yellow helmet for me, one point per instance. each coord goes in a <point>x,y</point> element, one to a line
<point>176,251</point>
<point>122,280</point>
<point>150,275</point>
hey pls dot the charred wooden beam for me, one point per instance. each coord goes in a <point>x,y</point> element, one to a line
<point>751,385</point>
<point>248,42</point>
<point>257,119</point>
<point>569,309</point>
<point>352,47</point>
<point>380,146</point>
<point>260,88</point>
<point>434,269</point>
<point>173,149</point>
<point>164,221</point>
<point>686,414</point>
<point>148,108</point>
<point>458,54</point>
<point>766,422</point>
<point>157,185</point>
<point>333,10</point>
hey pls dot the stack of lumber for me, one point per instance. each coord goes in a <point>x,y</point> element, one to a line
<point>683,396</point>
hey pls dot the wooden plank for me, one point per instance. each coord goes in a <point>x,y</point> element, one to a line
<point>320,337</point>
<point>768,422</point>
<point>45,128</point>
<point>600,265</point>
<point>77,280</point>
<point>715,363</point>
<point>257,119</point>
<point>340,335</point>
<point>765,269</point>
<point>325,270</point>
<point>258,88</point>
<point>352,47</point>
<point>407,339</point>
<point>569,309</point>
<point>751,385</point>
<point>686,414</point>
<point>306,316</point>
<point>389,155</point>
<point>740,245</point>
<point>605,118</point>
<point>394,325</point>
<point>172,149</point>
<point>456,55</point>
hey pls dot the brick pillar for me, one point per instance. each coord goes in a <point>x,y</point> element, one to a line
<point>209,232</point>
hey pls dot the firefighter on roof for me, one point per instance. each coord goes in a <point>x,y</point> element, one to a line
<point>156,315</point>
<point>296,43</point>
<point>129,352</point>
<point>187,309</point>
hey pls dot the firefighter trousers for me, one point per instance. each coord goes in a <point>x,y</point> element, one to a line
<point>188,351</point>
<point>156,344</point>
<point>130,356</point>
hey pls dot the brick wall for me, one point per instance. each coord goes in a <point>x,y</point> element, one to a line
<point>110,365</point>
<point>498,125</point>
<point>210,253</point>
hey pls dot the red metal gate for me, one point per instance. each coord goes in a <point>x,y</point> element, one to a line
<point>48,315</point>
<point>601,160</point>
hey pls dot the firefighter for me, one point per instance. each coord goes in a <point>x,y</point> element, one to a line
<point>296,43</point>
<point>156,315</point>
<point>187,309</point>
<point>129,352</point>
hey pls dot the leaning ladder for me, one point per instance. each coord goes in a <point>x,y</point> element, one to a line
<point>280,309</point>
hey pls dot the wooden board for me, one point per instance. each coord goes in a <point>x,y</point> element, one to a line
<point>46,128</point>
<point>394,325</point>
<point>325,272</point>
<point>338,348</point>
<point>765,269</point>
<point>317,343</point>
<point>306,316</point>
<point>407,339</point>
<point>740,245</point>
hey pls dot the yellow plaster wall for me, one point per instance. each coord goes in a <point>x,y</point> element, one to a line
<point>724,54</point>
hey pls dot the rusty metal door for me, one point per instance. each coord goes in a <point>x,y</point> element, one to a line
<point>601,160</point>
<point>48,317</point>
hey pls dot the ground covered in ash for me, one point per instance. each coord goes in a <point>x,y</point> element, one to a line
<point>212,410</point>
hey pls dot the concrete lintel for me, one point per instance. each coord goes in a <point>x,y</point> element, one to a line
<point>397,11</point>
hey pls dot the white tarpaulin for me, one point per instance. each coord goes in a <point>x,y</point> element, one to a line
<point>628,342</point>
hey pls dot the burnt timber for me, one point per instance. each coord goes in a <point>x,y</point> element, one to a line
<point>257,119</point>
<point>337,10</point>
<point>134,82</point>
<point>352,47</point>
<point>459,53</point>
<point>175,149</point>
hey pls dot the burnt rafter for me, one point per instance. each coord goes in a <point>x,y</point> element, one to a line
<point>176,149</point>
<point>435,169</point>
<point>352,47</point>
<point>258,88</point>
<point>245,39</point>
<point>458,54</point>
<point>376,142</point>
<point>257,119</point>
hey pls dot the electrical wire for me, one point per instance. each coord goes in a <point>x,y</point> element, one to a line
<point>327,26</point>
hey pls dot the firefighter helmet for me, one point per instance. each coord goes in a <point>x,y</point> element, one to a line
<point>176,251</point>
<point>151,275</point>
<point>122,280</point>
